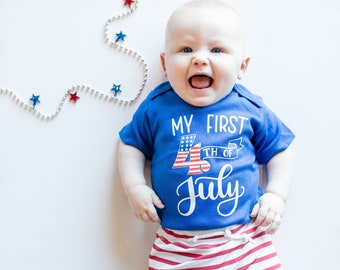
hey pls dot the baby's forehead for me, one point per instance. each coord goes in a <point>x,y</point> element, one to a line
<point>213,9</point>
<point>193,13</point>
<point>217,16</point>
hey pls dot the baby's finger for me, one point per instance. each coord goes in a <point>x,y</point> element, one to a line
<point>255,210</point>
<point>145,213</point>
<point>274,225</point>
<point>143,216</point>
<point>146,217</point>
<point>157,201</point>
<point>269,218</point>
<point>153,216</point>
<point>262,213</point>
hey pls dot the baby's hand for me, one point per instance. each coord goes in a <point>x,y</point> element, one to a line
<point>143,200</point>
<point>269,211</point>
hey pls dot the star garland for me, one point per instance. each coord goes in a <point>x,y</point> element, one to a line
<point>72,92</point>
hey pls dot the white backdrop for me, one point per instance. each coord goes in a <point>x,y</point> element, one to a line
<point>61,202</point>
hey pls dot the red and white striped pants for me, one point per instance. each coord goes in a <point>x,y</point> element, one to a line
<point>238,247</point>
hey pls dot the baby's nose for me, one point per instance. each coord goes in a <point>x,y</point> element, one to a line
<point>200,59</point>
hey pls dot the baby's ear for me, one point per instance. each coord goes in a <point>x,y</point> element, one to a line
<point>244,66</point>
<point>162,56</point>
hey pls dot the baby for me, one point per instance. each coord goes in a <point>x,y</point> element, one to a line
<point>206,137</point>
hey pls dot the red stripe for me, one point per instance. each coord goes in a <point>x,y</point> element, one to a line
<point>238,228</point>
<point>261,259</point>
<point>274,267</point>
<point>179,164</point>
<point>177,235</point>
<point>251,230</point>
<point>185,254</point>
<point>159,259</point>
<point>259,235</point>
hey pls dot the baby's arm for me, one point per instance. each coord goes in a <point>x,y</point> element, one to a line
<point>141,197</point>
<point>270,208</point>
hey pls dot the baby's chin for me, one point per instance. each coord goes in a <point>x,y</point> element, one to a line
<point>201,101</point>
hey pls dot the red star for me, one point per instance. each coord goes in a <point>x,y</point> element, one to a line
<point>128,3</point>
<point>74,97</point>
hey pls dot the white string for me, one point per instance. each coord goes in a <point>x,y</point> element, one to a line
<point>227,234</point>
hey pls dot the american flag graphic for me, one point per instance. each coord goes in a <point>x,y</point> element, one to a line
<point>186,148</point>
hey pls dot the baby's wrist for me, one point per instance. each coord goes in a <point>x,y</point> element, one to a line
<point>132,189</point>
<point>270,193</point>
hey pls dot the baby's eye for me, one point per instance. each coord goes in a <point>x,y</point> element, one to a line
<point>186,50</point>
<point>216,50</point>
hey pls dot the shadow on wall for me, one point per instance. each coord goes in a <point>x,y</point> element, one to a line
<point>131,239</point>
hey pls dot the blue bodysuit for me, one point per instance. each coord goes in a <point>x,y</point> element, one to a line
<point>205,160</point>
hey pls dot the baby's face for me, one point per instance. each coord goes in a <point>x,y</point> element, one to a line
<point>204,54</point>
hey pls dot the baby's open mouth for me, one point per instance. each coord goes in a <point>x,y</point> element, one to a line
<point>200,81</point>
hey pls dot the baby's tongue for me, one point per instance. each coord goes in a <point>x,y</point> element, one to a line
<point>200,81</point>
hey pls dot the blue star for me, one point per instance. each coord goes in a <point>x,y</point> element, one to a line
<point>35,100</point>
<point>120,36</point>
<point>116,89</point>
